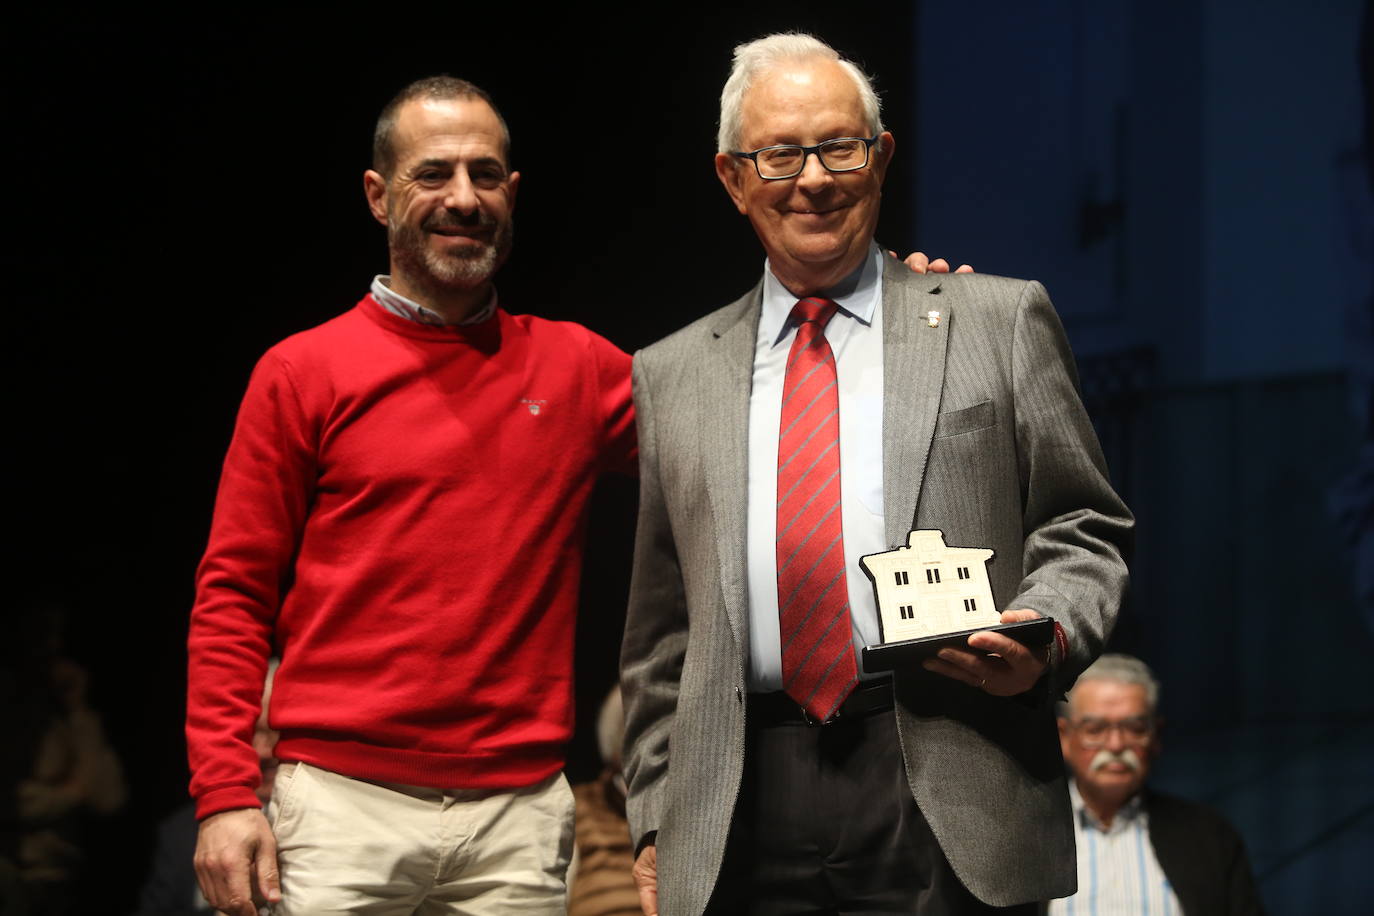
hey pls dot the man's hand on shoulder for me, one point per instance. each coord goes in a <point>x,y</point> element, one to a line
<point>235,851</point>
<point>1012,670</point>
<point>918,262</point>
<point>646,879</point>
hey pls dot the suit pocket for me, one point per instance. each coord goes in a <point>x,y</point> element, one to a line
<point>965,420</point>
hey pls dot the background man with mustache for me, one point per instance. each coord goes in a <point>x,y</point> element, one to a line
<point>1139,851</point>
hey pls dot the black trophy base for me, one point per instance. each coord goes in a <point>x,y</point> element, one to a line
<point>909,653</point>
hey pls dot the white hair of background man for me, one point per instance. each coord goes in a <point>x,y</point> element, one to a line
<point>1123,669</point>
<point>755,57</point>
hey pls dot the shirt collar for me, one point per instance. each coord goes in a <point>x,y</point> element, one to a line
<point>1125,815</point>
<point>397,304</point>
<point>857,295</point>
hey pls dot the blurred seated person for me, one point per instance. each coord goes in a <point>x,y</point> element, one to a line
<point>1139,851</point>
<point>66,772</point>
<point>600,882</point>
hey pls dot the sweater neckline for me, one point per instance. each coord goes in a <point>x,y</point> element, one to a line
<point>482,332</point>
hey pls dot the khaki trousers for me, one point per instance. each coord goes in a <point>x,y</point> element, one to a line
<point>352,846</point>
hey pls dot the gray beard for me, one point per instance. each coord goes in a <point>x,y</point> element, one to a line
<point>464,269</point>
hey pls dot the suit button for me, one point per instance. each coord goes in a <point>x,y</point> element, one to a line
<point>739,694</point>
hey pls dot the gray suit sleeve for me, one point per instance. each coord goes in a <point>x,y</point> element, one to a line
<point>655,633</point>
<point>1077,530</point>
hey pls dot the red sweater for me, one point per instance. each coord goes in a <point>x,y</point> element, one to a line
<point>400,517</point>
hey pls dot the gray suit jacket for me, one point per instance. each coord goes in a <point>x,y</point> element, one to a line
<point>985,438</point>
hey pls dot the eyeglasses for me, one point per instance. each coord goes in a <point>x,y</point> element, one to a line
<point>843,154</point>
<point>1094,732</point>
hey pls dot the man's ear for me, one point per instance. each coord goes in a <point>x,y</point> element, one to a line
<point>881,155</point>
<point>731,175</point>
<point>374,188</point>
<point>513,182</point>
<point>1064,737</point>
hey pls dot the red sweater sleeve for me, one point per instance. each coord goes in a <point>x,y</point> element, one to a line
<point>264,492</point>
<point>620,452</point>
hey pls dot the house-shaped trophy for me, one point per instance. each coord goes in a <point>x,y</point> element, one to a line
<point>930,596</point>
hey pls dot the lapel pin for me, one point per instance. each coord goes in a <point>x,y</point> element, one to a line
<point>933,318</point>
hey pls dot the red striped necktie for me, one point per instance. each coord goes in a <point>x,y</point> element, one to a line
<point>818,669</point>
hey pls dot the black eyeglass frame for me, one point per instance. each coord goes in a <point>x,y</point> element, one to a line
<point>807,151</point>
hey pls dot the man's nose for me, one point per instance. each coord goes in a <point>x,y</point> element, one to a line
<point>814,174</point>
<point>460,195</point>
<point>1115,740</point>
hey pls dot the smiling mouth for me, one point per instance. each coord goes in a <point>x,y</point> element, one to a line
<point>459,230</point>
<point>475,233</point>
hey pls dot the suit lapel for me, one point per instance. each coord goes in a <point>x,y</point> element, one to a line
<point>726,380</point>
<point>913,376</point>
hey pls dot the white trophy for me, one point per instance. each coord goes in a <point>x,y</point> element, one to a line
<point>931,595</point>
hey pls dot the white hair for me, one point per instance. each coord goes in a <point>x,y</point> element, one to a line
<point>753,58</point>
<point>1123,669</point>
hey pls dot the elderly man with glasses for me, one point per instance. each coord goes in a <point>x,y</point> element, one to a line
<point>1140,851</point>
<point>819,418</point>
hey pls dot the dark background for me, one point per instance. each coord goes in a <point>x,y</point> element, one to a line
<point>185,191</point>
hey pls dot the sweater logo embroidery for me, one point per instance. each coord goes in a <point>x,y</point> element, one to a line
<point>534,404</point>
